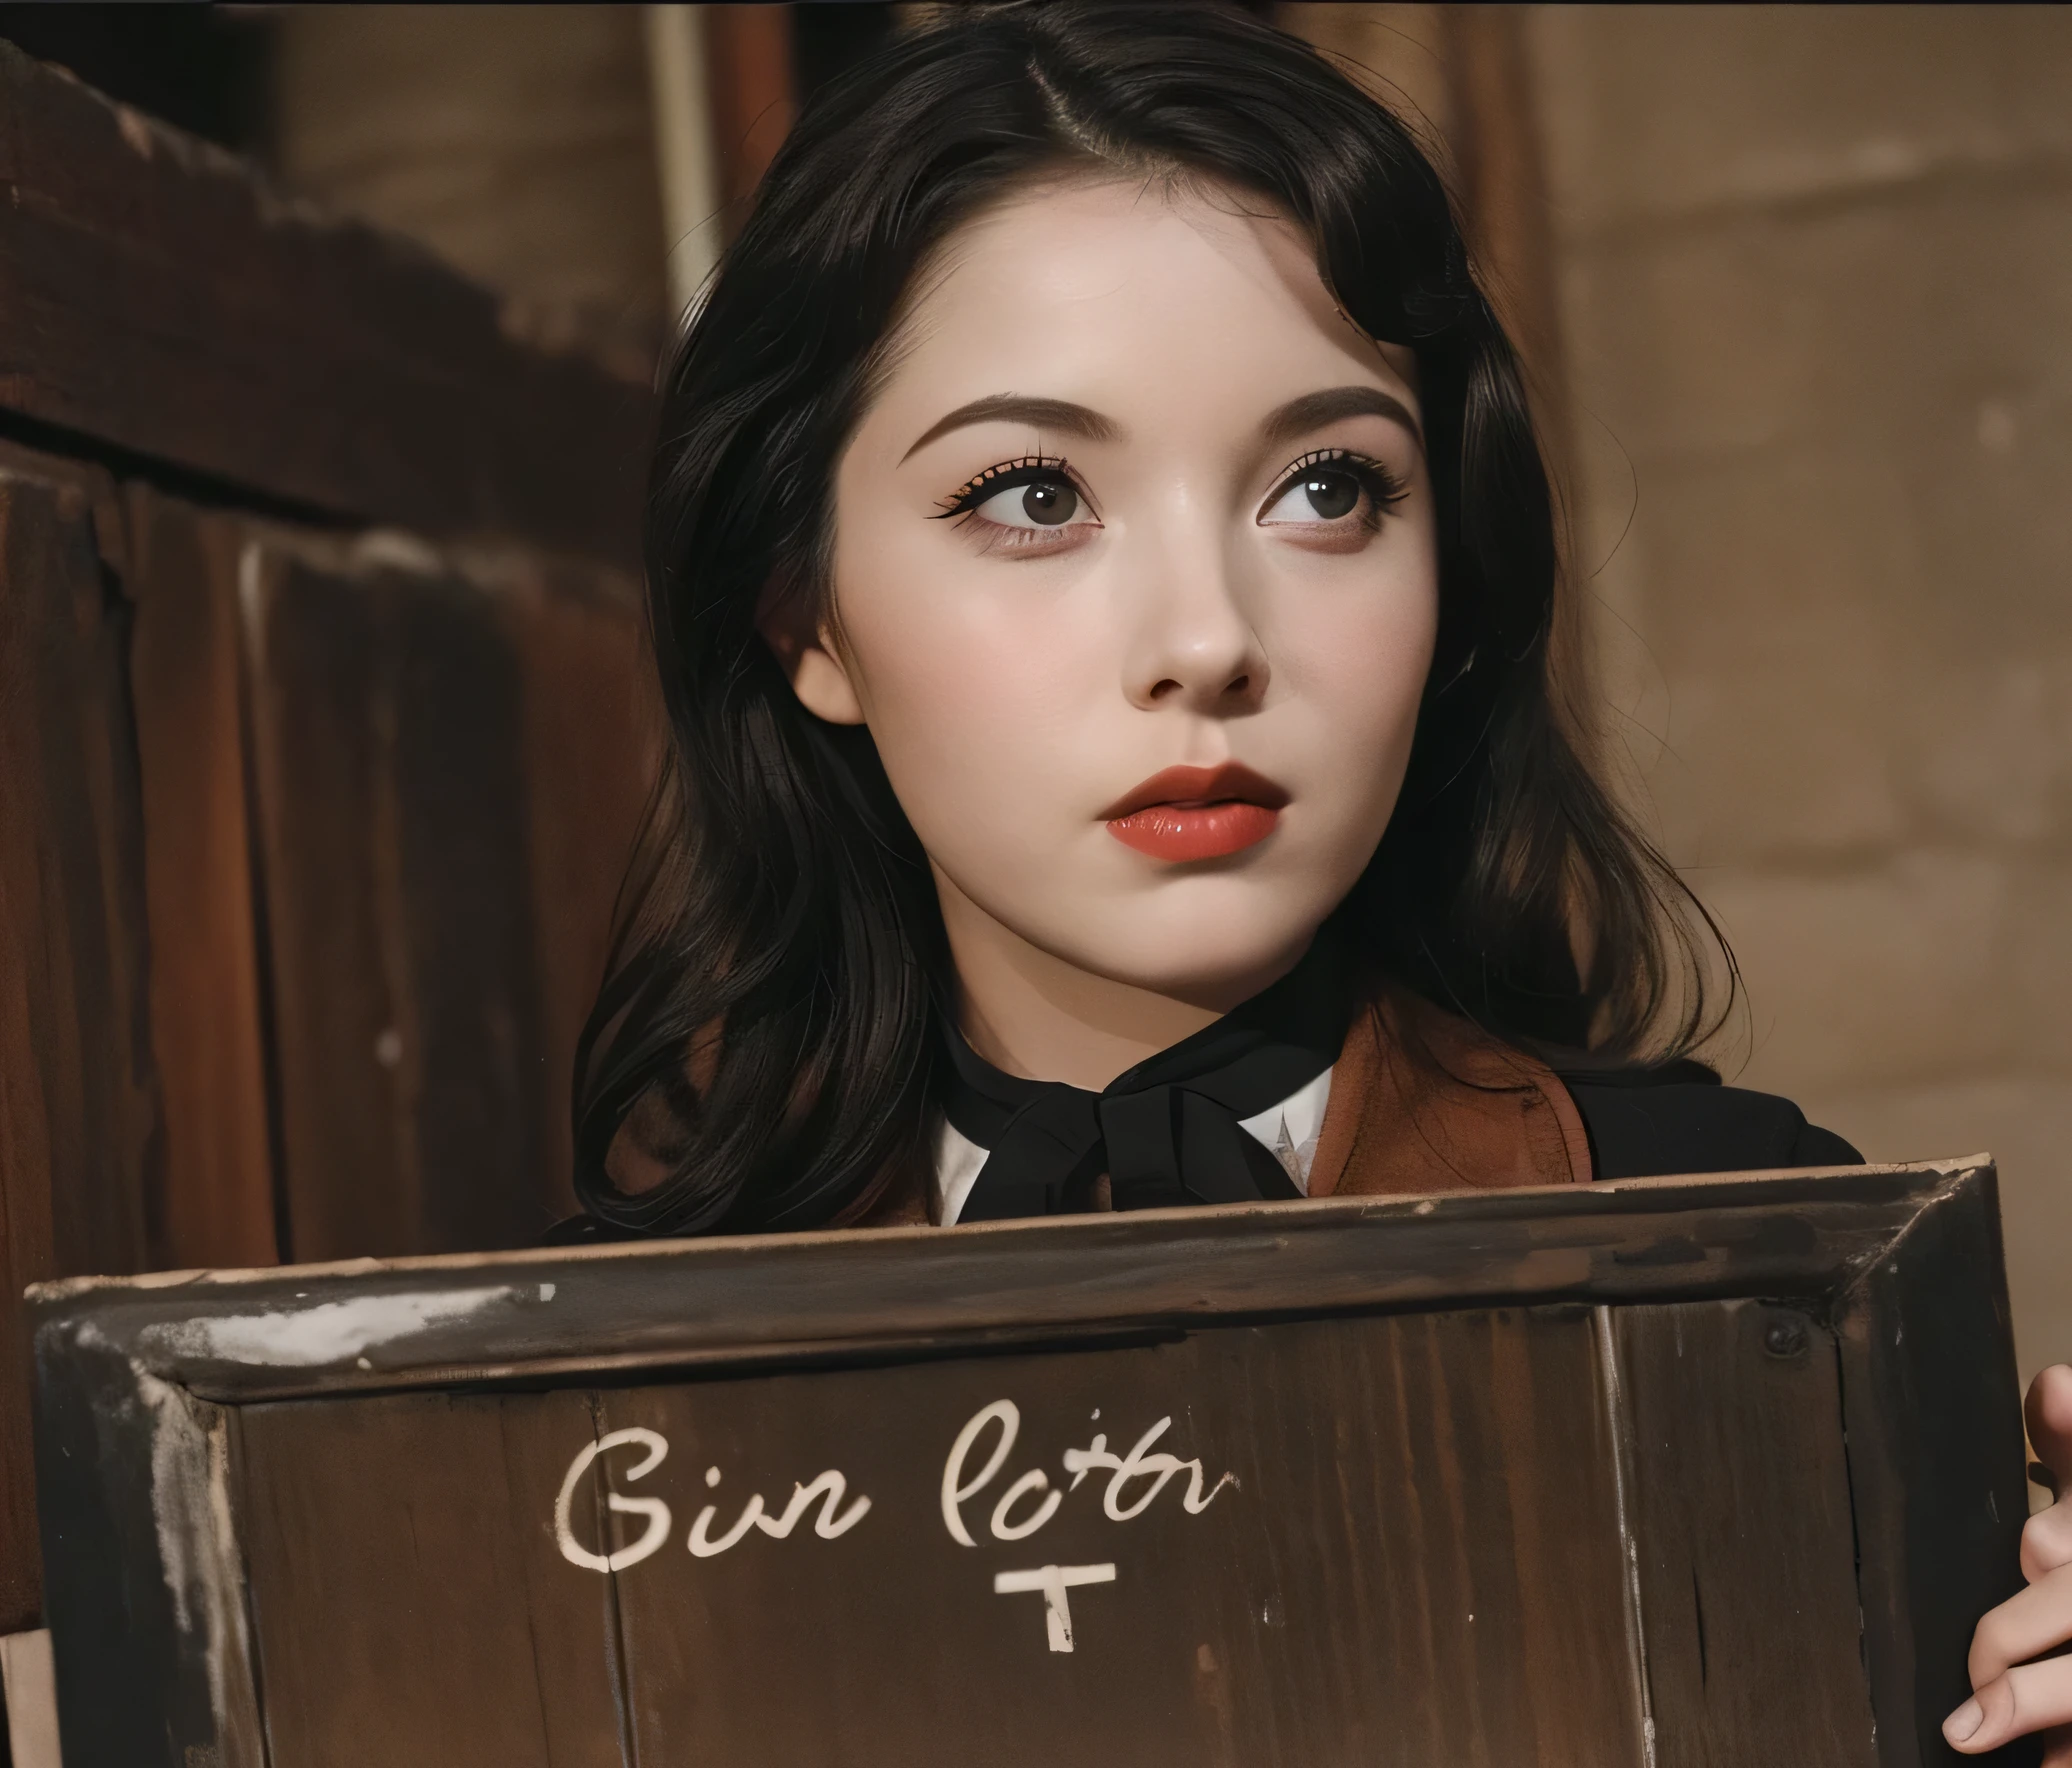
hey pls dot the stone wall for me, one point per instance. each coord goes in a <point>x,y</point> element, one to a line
<point>1815,284</point>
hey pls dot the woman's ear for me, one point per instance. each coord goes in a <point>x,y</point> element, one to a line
<point>806,651</point>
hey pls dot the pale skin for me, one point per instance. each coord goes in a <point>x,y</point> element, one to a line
<point>1231,559</point>
<point>1019,682</point>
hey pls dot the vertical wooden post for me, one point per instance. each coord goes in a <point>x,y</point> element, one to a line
<point>216,1202</point>
<point>1500,171</point>
<point>1461,77</point>
<point>79,1123</point>
<point>685,153</point>
<point>748,64</point>
<point>1498,165</point>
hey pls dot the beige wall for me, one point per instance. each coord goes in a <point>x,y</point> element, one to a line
<point>1815,274</point>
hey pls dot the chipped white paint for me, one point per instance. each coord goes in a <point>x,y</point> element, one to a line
<point>198,1550</point>
<point>197,1543</point>
<point>390,549</point>
<point>190,1509</point>
<point>330,1332</point>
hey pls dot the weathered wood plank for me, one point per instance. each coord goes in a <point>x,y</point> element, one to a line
<point>78,1102</point>
<point>157,296</point>
<point>1418,1559</point>
<point>388,736</point>
<point>1740,1509</point>
<point>593,734</point>
<point>452,755</point>
<point>742,1300</point>
<point>216,1190</point>
<point>409,1604</point>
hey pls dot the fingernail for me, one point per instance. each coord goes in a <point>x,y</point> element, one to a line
<point>1964,1721</point>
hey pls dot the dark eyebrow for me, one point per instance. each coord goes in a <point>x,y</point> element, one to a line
<point>1046,414</point>
<point>1314,410</point>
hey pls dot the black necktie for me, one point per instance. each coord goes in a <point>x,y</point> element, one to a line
<point>1167,1133</point>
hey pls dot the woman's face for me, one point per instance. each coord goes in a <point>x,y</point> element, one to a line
<point>1135,588</point>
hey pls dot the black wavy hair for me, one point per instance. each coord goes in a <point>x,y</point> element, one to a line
<point>764,1033</point>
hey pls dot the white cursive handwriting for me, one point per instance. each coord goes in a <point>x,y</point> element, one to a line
<point>1033,1488</point>
<point>653,1509</point>
<point>829,1487</point>
<point>1138,1465</point>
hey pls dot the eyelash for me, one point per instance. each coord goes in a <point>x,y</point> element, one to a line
<point>1031,469</point>
<point>1384,490</point>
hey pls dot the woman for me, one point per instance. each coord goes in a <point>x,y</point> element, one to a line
<point>1103,576</point>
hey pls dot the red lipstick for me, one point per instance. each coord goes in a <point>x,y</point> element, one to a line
<point>1190,813</point>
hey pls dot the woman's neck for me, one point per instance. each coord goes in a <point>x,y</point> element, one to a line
<point>1036,1015</point>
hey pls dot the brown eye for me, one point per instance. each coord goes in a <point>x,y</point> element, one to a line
<point>1050,503</point>
<point>1044,498</point>
<point>1331,495</point>
<point>1325,490</point>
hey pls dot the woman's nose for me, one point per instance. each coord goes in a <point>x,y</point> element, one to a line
<point>1193,646</point>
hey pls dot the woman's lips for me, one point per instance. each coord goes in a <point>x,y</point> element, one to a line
<point>1190,813</point>
<point>1194,831</point>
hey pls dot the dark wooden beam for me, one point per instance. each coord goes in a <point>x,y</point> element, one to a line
<point>159,299</point>
<point>214,1203</point>
<point>1499,160</point>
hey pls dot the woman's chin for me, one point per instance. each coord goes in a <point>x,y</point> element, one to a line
<point>1213,953</point>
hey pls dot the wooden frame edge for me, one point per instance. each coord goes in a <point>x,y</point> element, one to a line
<point>649,1306</point>
<point>137,1428</point>
<point>1936,1460</point>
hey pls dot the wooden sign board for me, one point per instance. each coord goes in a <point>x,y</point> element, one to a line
<point>1714,1470</point>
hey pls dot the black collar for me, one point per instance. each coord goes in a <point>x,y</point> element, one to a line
<point>1167,1132</point>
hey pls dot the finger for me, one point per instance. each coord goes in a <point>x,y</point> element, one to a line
<point>2022,1627</point>
<point>2047,1540</point>
<point>2048,1413</point>
<point>2026,1699</point>
<point>2057,1752</point>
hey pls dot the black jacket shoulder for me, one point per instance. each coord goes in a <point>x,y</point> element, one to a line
<point>1643,1122</point>
<point>1678,1118</point>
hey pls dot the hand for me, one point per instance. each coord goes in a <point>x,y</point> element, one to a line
<point>2011,1696</point>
